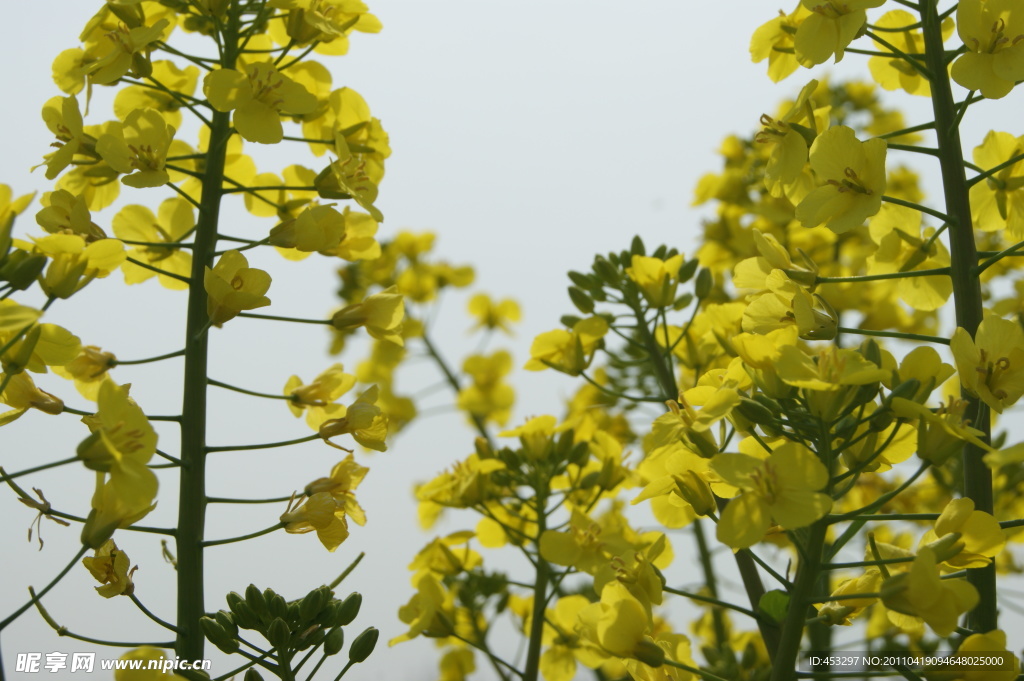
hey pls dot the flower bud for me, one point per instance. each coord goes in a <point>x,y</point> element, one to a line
<point>695,491</point>
<point>279,634</point>
<point>335,641</point>
<point>581,300</point>
<point>687,271</point>
<point>349,609</point>
<point>311,605</point>
<point>363,645</point>
<point>702,288</point>
<point>21,269</point>
<point>254,597</point>
<point>606,271</point>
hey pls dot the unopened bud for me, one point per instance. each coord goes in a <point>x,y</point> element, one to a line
<point>363,645</point>
<point>349,609</point>
<point>335,641</point>
<point>695,491</point>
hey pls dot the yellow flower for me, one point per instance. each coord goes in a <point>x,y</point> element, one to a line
<point>344,479</point>
<point>111,567</point>
<point>126,48</point>
<point>992,365</point>
<point>564,646</point>
<point>22,394</point>
<point>790,137</point>
<point>430,611</point>
<point>345,110</point>
<point>921,592</point>
<point>318,397</point>
<point>981,537</point>
<point>442,559</point>
<point>466,484</point>
<point>64,119</point>
<point>831,26</point>
<point>782,488</point>
<point>998,202</point>
<point>325,514</point>
<point>656,278</point>
<point>940,433</point>
<point>619,624</point>
<point>258,97</point>
<point>74,262</point>
<point>145,656</point>
<point>363,420</point>
<point>349,173</point>
<point>233,286</point>
<point>488,397</point>
<point>774,41</point>
<point>991,31</point>
<point>493,315</point>
<point>568,351</point>
<point>894,73</point>
<point>177,80</point>
<point>88,370</point>
<point>842,611</point>
<point>139,147</point>
<point>381,314</point>
<point>852,178</point>
<point>327,22</point>
<point>174,219</point>
<point>63,212</point>
<point>992,643</point>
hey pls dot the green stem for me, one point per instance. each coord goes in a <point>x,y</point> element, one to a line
<point>918,207</point>
<point>894,334</point>
<point>4,477</point>
<point>147,360</point>
<point>251,315</point>
<point>885,275</point>
<point>192,487</point>
<point>717,620</point>
<point>35,598</point>
<point>263,445</point>
<point>713,601</point>
<point>540,592</point>
<point>449,376</point>
<point>966,291</point>
<point>792,632</point>
<point>251,535</point>
<point>150,615</point>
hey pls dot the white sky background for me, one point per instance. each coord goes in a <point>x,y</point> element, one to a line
<point>529,135</point>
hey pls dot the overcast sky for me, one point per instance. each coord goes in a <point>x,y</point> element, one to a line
<point>529,135</point>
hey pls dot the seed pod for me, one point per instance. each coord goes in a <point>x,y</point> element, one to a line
<point>252,675</point>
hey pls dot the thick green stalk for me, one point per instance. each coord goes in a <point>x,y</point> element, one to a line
<point>540,592</point>
<point>192,491</point>
<point>785,659</point>
<point>966,287</point>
